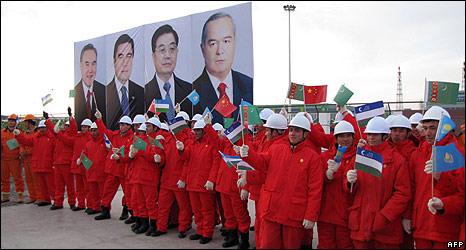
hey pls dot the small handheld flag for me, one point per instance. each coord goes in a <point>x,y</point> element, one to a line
<point>230,160</point>
<point>162,105</point>
<point>242,165</point>
<point>369,110</point>
<point>12,144</point>
<point>296,91</point>
<point>233,133</point>
<point>447,158</point>
<point>206,111</point>
<point>194,97</point>
<point>315,94</point>
<point>250,114</point>
<point>224,106</point>
<point>445,125</point>
<point>340,151</point>
<point>343,95</point>
<point>139,143</point>
<point>108,144</point>
<point>85,161</point>
<point>177,125</point>
<point>369,162</point>
<point>47,99</point>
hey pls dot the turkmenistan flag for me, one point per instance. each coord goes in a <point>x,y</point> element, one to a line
<point>227,122</point>
<point>369,162</point>
<point>85,161</point>
<point>296,91</point>
<point>249,114</point>
<point>230,160</point>
<point>156,142</point>
<point>139,143</point>
<point>12,144</point>
<point>121,151</point>
<point>442,92</point>
<point>343,95</point>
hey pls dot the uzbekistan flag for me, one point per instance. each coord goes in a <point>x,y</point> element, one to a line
<point>242,165</point>
<point>177,124</point>
<point>369,110</point>
<point>369,162</point>
<point>230,160</point>
<point>233,133</point>
<point>162,105</point>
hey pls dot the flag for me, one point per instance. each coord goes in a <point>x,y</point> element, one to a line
<point>233,133</point>
<point>343,95</point>
<point>442,92</point>
<point>157,143</point>
<point>194,97</point>
<point>447,158</point>
<point>249,114</point>
<point>224,106</point>
<point>121,151</point>
<point>369,162</point>
<point>108,144</point>
<point>206,111</point>
<point>47,99</point>
<point>12,144</point>
<point>445,125</point>
<point>139,143</point>
<point>315,94</point>
<point>85,161</point>
<point>162,105</point>
<point>177,124</point>
<point>72,93</point>
<point>296,91</point>
<point>151,107</point>
<point>230,160</point>
<point>242,165</point>
<point>369,110</point>
<point>227,122</point>
<point>340,151</point>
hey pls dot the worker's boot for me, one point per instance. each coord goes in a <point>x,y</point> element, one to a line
<point>232,239</point>
<point>105,214</point>
<point>144,226</point>
<point>124,213</point>
<point>5,197</point>
<point>244,242</point>
<point>152,227</point>
<point>137,224</point>
<point>20,197</point>
<point>131,219</point>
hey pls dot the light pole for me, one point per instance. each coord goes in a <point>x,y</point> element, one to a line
<point>289,8</point>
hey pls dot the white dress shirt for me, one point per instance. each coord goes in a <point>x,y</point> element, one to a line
<point>228,81</point>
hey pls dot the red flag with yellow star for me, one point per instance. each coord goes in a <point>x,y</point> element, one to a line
<point>224,106</point>
<point>315,94</point>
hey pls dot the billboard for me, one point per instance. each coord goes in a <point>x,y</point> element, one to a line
<point>122,73</point>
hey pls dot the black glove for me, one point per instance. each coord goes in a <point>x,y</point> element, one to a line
<point>45,114</point>
<point>69,112</point>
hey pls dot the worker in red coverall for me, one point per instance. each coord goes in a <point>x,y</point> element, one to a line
<point>333,220</point>
<point>275,128</point>
<point>417,135</point>
<point>62,163</point>
<point>96,151</point>
<point>78,142</point>
<point>432,231</point>
<point>290,197</point>
<point>400,132</point>
<point>146,166</point>
<point>198,178</point>
<point>25,153</point>
<point>169,190</point>
<point>115,163</point>
<point>379,202</point>
<point>41,160</point>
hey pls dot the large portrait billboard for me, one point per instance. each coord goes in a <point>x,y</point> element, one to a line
<point>124,72</point>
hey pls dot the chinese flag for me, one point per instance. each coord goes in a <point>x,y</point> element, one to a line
<point>224,106</point>
<point>315,94</point>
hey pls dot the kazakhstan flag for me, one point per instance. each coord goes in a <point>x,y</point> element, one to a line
<point>446,125</point>
<point>447,158</point>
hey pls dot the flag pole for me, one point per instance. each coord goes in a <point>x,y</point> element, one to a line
<point>432,156</point>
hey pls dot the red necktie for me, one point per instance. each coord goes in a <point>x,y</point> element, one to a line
<point>221,89</point>
<point>88,104</point>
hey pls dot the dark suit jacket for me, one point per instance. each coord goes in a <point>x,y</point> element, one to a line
<point>80,102</point>
<point>114,110</point>
<point>182,89</point>
<point>242,88</point>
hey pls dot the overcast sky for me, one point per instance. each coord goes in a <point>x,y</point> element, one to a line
<point>360,44</point>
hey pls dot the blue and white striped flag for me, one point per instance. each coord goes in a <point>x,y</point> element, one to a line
<point>108,144</point>
<point>369,110</point>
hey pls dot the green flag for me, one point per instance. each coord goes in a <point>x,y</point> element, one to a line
<point>12,144</point>
<point>72,93</point>
<point>121,151</point>
<point>139,143</point>
<point>442,92</point>
<point>227,122</point>
<point>343,95</point>
<point>85,161</point>
<point>296,91</point>
<point>157,143</point>
<point>250,114</point>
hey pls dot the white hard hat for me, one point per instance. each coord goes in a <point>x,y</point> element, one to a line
<point>304,114</point>
<point>265,114</point>
<point>184,115</point>
<point>139,119</point>
<point>197,117</point>
<point>86,122</point>
<point>199,124</point>
<point>154,121</point>
<point>218,127</point>
<point>93,125</point>
<point>165,127</point>
<point>400,121</point>
<point>389,119</point>
<point>415,118</point>
<point>377,125</point>
<point>142,127</point>
<point>126,119</point>
<point>41,124</point>
<point>67,123</point>
<point>300,121</point>
<point>435,113</point>
<point>343,127</point>
<point>276,121</point>
<point>339,116</point>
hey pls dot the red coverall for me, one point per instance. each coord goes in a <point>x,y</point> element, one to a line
<point>25,153</point>
<point>10,165</point>
<point>96,151</point>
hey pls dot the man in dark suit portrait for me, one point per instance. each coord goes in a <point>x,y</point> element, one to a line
<point>88,88</point>
<point>165,84</point>
<point>217,78</point>
<point>124,97</point>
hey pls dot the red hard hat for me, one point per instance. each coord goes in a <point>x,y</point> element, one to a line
<point>12,117</point>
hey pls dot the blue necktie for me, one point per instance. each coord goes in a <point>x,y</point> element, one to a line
<point>124,101</point>
<point>171,110</point>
